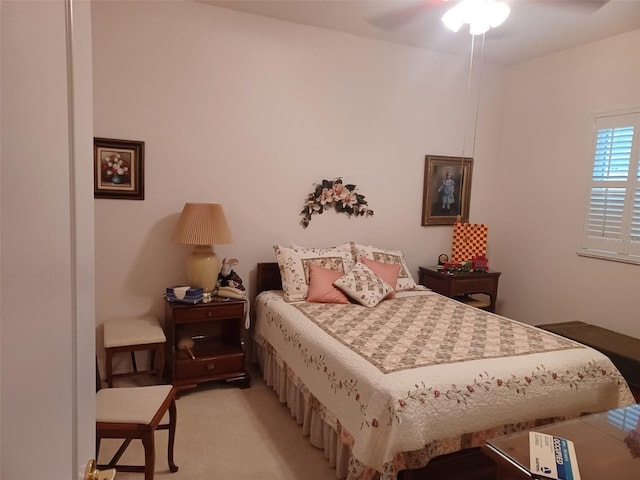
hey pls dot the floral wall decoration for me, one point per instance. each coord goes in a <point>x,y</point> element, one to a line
<point>334,194</point>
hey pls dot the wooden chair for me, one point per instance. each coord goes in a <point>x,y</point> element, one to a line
<point>131,413</point>
<point>132,335</point>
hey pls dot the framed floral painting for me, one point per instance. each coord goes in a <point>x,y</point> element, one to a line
<point>447,190</point>
<point>118,169</point>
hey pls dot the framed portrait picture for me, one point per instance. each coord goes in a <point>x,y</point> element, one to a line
<point>118,169</point>
<point>447,190</point>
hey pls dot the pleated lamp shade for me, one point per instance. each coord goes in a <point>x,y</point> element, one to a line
<point>202,225</point>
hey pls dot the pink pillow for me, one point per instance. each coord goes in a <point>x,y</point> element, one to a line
<point>321,288</point>
<point>386,271</point>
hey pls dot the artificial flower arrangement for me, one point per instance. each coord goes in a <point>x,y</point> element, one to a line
<point>333,193</point>
<point>115,168</point>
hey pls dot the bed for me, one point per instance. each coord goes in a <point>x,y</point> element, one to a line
<point>385,389</point>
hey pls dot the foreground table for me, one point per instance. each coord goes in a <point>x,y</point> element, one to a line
<point>607,446</point>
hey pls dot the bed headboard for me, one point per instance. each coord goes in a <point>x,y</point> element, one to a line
<point>268,277</point>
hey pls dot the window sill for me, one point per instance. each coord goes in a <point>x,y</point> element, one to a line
<point>613,257</point>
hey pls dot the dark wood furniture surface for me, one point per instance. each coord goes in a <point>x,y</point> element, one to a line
<point>214,332</point>
<point>268,277</point>
<point>460,285</point>
<point>601,444</point>
<point>623,350</point>
<point>468,464</point>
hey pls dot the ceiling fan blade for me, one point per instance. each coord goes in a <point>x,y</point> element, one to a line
<point>400,15</point>
<point>584,5</point>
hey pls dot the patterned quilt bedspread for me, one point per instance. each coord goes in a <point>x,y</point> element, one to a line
<point>423,330</point>
<point>422,375</point>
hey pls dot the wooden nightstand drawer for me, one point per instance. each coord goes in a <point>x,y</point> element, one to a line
<point>471,285</point>
<point>209,366</point>
<point>207,313</point>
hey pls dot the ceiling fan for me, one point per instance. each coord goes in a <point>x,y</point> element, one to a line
<point>407,11</point>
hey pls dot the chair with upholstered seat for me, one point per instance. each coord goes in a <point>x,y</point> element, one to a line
<point>130,413</point>
<point>132,335</point>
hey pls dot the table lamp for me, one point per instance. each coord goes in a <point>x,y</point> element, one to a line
<point>202,225</point>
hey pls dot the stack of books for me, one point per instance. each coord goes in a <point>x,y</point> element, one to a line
<point>184,294</point>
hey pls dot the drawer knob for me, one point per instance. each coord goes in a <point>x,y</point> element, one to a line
<point>211,366</point>
<point>210,313</point>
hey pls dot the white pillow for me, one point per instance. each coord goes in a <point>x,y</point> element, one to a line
<point>405,280</point>
<point>294,266</point>
<point>363,285</point>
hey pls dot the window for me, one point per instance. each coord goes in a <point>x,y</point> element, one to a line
<point>612,219</point>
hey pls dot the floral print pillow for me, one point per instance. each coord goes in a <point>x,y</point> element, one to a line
<point>294,262</point>
<point>405,280</point>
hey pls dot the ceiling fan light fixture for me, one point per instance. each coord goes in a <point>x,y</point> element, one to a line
<point>479,27</point>
<point>453,19</point>
<point>497,13</point>
<point>481,15</point>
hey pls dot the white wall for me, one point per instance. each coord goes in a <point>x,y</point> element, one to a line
<point>46,256</point>
<point>251,112</point>
<point>539,187</point>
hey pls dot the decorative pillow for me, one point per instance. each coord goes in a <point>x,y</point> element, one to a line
<point>294,266</point>
<point>387,272</point>
<point>321,288</point>
<point>364,286</point>
<point>405,280</point>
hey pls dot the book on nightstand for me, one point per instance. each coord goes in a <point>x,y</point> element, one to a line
<point>184,294</point>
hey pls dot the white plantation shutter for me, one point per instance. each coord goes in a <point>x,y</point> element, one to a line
<point>635,214</point>
<point>612,221</point>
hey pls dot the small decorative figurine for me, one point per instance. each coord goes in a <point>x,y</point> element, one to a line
<point>229,282</point>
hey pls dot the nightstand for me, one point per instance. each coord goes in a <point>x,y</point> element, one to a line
<point>460,285</point>
<point>205,343</point>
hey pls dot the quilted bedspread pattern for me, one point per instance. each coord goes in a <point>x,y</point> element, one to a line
<point>418,373</point>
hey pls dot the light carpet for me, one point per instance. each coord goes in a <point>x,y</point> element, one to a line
<point>228,433</point>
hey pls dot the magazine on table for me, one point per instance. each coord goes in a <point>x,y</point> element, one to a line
<point>552,457</point>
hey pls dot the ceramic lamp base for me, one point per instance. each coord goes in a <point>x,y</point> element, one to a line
<point>203,267</point>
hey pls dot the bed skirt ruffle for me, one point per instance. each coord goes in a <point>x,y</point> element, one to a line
<point>325,432</point>
<point>321,430</point>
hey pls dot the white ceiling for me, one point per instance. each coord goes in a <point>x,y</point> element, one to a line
<point>534,28</point>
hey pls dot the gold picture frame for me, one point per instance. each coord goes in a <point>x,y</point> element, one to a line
<point>447,190</point>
